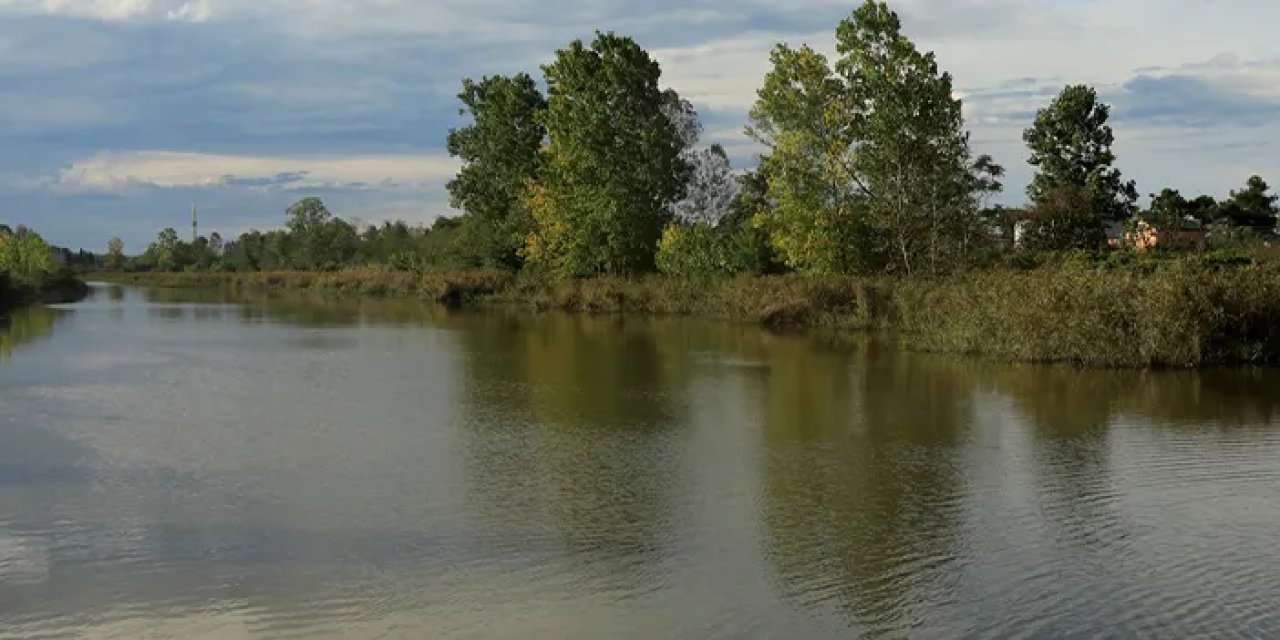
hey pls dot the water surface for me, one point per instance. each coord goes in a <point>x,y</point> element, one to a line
<point>176,464</point>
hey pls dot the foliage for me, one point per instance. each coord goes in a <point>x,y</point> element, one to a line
<point>1168,210</point>
<point>817,219</point>
<point>923,185</point>
<point>1070,144</point>
<point>25,256</point>
<point>1253,207</point>
<point>319,240</point>
<point>700,250</point>
<point>1185,312</point>
<point>868,165</point>
<point>501,153</point>
<point>115,255</point>
<point>1063,219</point>
<point>614,163</point>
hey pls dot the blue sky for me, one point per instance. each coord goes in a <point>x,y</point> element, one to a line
<point>116,115</point>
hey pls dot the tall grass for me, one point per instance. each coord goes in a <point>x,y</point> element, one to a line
<point>1177,313</point>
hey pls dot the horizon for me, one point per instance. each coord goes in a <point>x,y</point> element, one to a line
<point>121,114</point>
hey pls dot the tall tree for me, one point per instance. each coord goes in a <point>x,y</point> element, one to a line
<point>318,240</point>
<point>614,164</point>
<point>804,115</point>
<point>922,183</point>
<point>115,254</point>
<point>1070,143</point>
<point>501,154</point>
<point>868,164</point>
<point>163,253</point>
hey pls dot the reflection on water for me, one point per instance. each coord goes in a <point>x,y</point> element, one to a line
<point>198,464</point>
<point>862,492</point>
<point>25,325</point>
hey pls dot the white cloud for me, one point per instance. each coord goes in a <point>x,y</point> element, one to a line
<point>115,10</point>
<point>122,172</point>
<point>725,73</point>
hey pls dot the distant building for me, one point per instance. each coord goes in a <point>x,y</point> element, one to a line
<point>1189,233</point>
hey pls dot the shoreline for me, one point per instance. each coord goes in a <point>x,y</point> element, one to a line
<point>60,290</point>
<point>1182,315</point>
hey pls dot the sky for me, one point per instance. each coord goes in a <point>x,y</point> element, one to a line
<point>117,115</point>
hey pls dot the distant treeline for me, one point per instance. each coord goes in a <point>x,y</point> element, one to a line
<point>867,169</point>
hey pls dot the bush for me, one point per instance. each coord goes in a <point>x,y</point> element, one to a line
<point>698,250</point>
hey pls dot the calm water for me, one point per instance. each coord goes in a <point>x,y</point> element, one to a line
<point>179,467</point>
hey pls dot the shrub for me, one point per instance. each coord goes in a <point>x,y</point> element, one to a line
<point>698,250</point>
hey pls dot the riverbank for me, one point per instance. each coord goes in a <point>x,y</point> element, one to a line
<point>1183,313</point>
<point>56,290</point>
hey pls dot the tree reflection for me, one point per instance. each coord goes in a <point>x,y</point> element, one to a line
<point>569,438</point>
<point>862,494</point>
<point>26,325</point>
<point>1070,412</point>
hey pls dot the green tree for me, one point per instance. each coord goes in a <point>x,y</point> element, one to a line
<point>816,219</point>
<point>1204,208</point>
<point>614,163</point>
<point>1253,207</point>
<point>115,254</point>
<point>923,186</point>
<point>317,240</point>
<point>868,165</point>
<point>1168,209</point>
<point>501,154</point>
<point>1063,219</point>
<point>162,255</point>
<point>24,255</point>
<point>1070,143</point>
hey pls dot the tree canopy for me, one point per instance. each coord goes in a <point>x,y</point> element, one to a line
<point>501,151</point>
<point>868,163</point>
<point>613,165</point>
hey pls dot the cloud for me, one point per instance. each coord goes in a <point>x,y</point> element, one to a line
<point>117,173</point>
<point>115,10</point>
<point>1191,101</point>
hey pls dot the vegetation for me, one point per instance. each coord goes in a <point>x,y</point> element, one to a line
<point>501,152</point>
<point>28,271</point>
<point>867,209</point>
<point>614,162</point>
<point>1117,310</point>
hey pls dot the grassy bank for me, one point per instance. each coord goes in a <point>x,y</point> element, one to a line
<point>1180,313</point>
<point>53,290</point>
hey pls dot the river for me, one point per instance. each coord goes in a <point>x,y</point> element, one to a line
<point>180,464</point>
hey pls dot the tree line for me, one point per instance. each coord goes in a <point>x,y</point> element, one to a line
<point>866,168</point>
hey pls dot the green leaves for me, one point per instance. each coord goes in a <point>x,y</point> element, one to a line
<point>1253,207</point>
<point>869,165</point>
<point>25,256</point>
<point>1070,144</point>
<point>614,162</point>
<point>501,154</point>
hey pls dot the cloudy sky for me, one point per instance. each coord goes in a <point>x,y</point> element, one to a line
<point>116,115</point>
